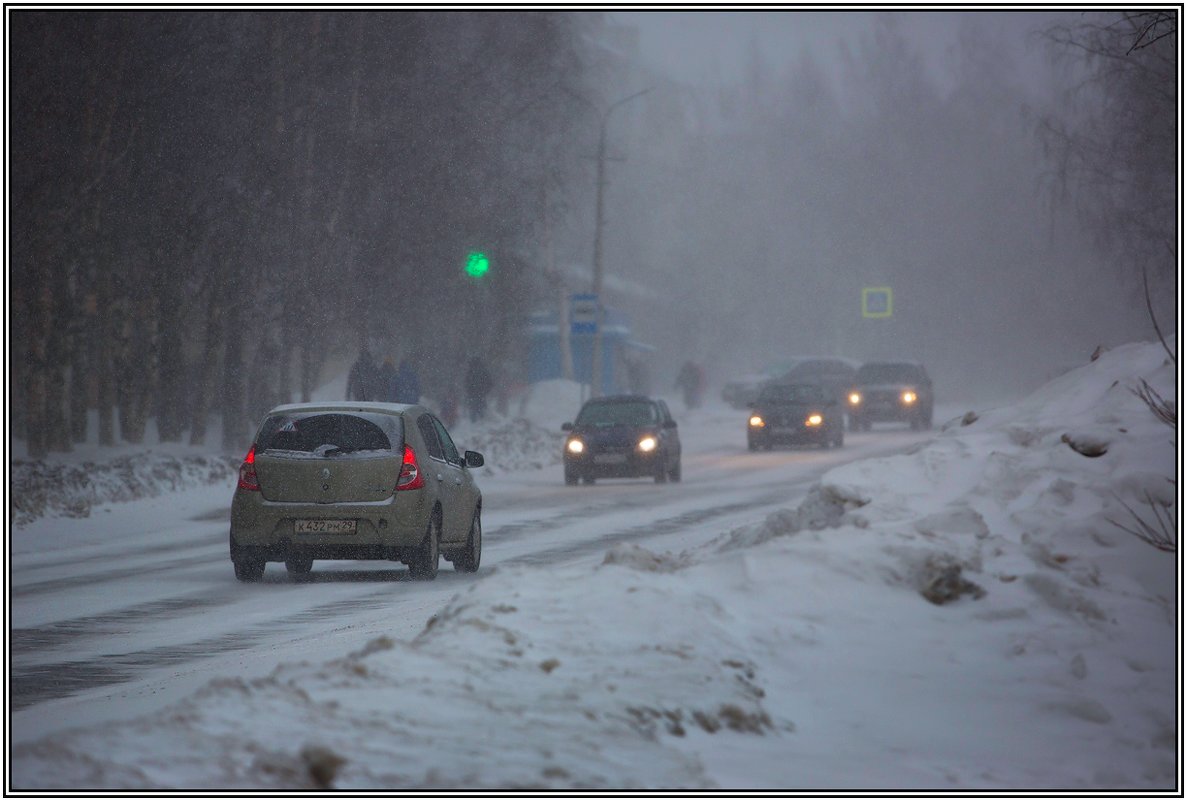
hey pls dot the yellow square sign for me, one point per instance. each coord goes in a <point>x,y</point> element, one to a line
<point>877,301</point>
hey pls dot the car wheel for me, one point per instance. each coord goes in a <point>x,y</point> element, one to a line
<point>247,569</point>
<point>467,561</point>
<point>839,441</point>
<point>570,477</point>
<point>674,475</point>
<point>661,475</point>
<point>426,558</point>
<point>588,479</point>
<point>751,444</point>
<point>298,566</point>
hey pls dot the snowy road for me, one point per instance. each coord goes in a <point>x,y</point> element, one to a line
<point>137,606</point>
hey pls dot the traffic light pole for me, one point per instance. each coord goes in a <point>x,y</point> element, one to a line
<point>596,380</point>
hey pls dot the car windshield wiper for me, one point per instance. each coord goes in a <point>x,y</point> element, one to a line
<point>335,450</point>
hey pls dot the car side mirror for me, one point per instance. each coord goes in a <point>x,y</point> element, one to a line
<point>474,459</point>
<point>567,427</point>
<point>669,424</point>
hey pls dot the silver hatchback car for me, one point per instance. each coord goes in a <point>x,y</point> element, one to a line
<point>355,480</point>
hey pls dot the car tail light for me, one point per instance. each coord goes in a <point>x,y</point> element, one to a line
<point>410,477</point>
<point>248,479</point>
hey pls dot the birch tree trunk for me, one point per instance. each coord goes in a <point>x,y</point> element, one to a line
<point>234,428</point>
<point>204,390</point>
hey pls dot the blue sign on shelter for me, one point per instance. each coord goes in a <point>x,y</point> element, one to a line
<point>619,351</point>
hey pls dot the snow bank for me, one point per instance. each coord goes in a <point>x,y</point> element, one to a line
<point>64,489</point>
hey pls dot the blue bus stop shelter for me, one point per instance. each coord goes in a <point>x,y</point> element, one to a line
<point>623,359</point>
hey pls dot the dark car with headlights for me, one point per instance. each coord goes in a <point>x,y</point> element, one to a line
<point>353,480</point>
<point>787,413</point>
<point>622,436</point>
<point>891,392</point>
<point>836,375</point>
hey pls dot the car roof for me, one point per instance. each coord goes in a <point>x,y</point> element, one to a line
<point>621,399</point>
<point>789,384</point>
<point>372,407</point>
<point>816,361</point>
<point>893,363</point>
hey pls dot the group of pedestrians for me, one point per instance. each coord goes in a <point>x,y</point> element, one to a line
<point>369,381</point>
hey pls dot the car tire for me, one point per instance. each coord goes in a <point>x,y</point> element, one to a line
<point>839,439</point>
<point>298,567</point>
<point>467,560</point>
<point>588,479</point>
<point>426,558</point>
<point>247,569</point>
<point>661,475</point>
<point>674,475</point>
<point>570,477</point>
<point>752,445</point>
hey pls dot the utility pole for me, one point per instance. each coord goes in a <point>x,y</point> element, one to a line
<point>596,381</point>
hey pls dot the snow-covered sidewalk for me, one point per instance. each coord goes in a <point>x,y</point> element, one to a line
<point>963,617</point>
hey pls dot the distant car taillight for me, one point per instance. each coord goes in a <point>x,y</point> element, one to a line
<point>248,479</point>
<point>410,477</point>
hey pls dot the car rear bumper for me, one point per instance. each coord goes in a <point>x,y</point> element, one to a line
<point>382,530</point>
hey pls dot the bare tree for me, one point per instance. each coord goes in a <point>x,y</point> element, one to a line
<point>1115,148</point>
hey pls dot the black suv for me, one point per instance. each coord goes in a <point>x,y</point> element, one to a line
<point>622,436</point>
<point>837,376</point>
<point>891,392</point>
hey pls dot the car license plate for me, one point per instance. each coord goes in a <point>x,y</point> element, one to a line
<point>610,458</point>
<point>325,526</point>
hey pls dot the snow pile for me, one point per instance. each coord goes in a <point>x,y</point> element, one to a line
<point>527,679</point>
<point>531,438</point>
<point>55,487</point>
<point>514,445</point>
<point>961,617</point>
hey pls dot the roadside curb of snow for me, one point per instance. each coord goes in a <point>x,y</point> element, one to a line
<point>512,445</point>
<point>43,488</point>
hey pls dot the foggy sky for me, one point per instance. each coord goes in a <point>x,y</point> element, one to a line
<point>709,46</point>
<point>996,289</point>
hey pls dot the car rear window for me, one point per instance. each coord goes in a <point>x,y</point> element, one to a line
<point>331,433</point>
<point>628,413</point>
<point>887,373</point>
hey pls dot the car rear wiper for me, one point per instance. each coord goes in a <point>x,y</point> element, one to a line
<point>335,450</point>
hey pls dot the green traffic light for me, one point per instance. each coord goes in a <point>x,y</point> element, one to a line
<point>477,264</point>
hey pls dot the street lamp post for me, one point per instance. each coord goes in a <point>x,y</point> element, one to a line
<point>596,388</point>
